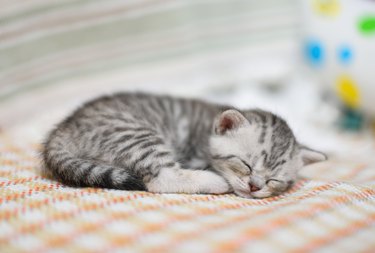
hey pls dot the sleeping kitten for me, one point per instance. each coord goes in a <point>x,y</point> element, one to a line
<point>136,141</point>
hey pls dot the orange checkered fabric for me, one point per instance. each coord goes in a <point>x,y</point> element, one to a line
<point>41,215</point>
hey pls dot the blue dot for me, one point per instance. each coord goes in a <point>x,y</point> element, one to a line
<point>314,53</point>
<point>345,54</point>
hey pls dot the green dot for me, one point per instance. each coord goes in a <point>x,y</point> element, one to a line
<point>367,25</point>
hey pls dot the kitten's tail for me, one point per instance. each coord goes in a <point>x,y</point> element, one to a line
<point>65,167</point>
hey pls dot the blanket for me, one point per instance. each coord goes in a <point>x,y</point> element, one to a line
<point>38,214</point>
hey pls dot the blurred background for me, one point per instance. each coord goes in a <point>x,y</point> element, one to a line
<point>311,61</point>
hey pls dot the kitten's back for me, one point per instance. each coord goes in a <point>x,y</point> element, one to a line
<point>99,144</point>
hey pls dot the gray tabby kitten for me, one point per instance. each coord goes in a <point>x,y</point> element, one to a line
<point>136,141</point>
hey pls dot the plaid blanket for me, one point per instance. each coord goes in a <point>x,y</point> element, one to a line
<point>40,215</point>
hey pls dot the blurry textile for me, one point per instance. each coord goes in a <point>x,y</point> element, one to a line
<point>40,215</point>
<point>45,41</point>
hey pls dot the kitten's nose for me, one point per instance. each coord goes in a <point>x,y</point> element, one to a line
<point>254,188</point>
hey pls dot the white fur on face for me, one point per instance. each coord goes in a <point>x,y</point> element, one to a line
<point>241,142</point>
<point>242,145</point>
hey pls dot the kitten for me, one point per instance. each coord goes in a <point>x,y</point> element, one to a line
<point>137,141</point>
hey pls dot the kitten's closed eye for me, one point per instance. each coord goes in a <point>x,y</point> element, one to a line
<point>277,185</point>
<point>246,164</point>
<point>241,166</point>
<point>238,164</point>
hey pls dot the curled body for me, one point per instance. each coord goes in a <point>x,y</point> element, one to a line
<point>138,141</point>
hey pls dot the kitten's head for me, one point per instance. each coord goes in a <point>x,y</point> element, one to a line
<point>257,152</point>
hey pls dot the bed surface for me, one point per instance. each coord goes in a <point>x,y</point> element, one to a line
<point>331,209</point>
<point>40,215</point>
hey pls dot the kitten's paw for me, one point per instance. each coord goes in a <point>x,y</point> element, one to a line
<point>188,181</point>
<point>213,184</point>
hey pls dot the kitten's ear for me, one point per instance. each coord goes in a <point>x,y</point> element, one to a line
<point>229,120</point>
<point>310,156</point>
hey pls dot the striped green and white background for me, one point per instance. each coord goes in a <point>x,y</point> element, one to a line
<point>45,41</point>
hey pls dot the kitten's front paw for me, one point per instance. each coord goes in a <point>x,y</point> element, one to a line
<point>214,184</point>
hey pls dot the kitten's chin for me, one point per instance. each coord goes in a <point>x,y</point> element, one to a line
<point>261,194</point>
<point>254,195</point>
<point>243,194</point>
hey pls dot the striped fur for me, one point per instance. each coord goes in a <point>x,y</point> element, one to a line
<point>135,141</point>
